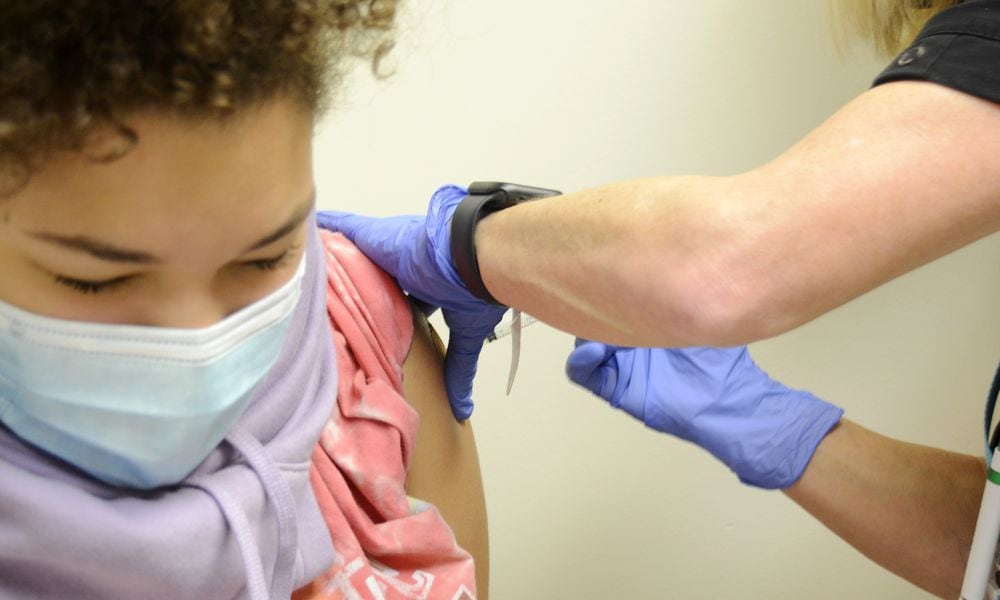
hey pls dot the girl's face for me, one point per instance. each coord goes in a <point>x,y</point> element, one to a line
<point>197,220</point>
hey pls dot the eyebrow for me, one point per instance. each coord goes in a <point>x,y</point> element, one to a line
<point>112,253</point>
<point>97,248</point>
<point>289,226</point>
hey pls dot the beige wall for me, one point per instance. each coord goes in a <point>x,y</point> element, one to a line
<point>586,504</point>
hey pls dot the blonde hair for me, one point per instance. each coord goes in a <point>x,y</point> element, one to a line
<point>889,25</point>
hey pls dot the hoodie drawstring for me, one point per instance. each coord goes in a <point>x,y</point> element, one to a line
<point>279,494</point>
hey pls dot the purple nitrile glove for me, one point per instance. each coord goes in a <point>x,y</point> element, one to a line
<point>717,398</point>
<point>416,250</point>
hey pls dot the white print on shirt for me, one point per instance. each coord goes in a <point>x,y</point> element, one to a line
<point>419,589</point>
<point>384,579</point>
<point>341,582</point>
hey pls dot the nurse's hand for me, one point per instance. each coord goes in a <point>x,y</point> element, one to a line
<point>717,398</point>
<point>416,250</point>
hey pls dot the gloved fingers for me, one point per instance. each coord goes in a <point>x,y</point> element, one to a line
<point>474,320</point>
<point>608,349</point>
<point>592,365</point>
<point>634,391</point>
<point>384,240</point>
<point>460,363</point>
<point>342,222</point>
<point>584,360</point>
<point>425,308</point>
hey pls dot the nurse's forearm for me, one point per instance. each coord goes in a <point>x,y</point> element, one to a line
<point>911,509</point>
<point>668,261</point>
<point>629,263</point>
<point>901,176</point>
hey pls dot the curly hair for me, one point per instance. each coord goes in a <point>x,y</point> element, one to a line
<point>68,67</point>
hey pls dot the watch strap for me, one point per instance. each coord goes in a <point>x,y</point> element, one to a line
<point>484,198</point>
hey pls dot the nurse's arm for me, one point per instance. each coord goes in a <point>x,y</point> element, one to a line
<point>904,174</point>
<point>911,509</point>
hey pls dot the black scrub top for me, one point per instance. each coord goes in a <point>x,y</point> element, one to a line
<point>958,48</point>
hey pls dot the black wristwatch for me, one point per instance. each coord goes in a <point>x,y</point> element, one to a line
<point>484,198</point>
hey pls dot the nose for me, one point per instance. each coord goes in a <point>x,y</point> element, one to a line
<point>188,309</point>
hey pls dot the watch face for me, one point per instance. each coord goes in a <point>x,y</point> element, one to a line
<point>512,192</point>
<point>482,188</point>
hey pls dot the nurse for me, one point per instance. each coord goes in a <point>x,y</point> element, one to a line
<point>903,174</point>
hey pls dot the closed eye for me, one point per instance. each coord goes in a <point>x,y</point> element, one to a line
<point>274,263</point>
<point>91,287</point>
<point>85,286</point>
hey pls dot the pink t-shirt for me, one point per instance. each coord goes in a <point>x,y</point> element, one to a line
<point>388,546</point>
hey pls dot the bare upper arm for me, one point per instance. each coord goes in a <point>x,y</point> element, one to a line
<point>904,174</point>
<point>445,467</point>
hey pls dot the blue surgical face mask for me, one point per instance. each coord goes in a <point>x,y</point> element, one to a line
<point>136,407</point>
